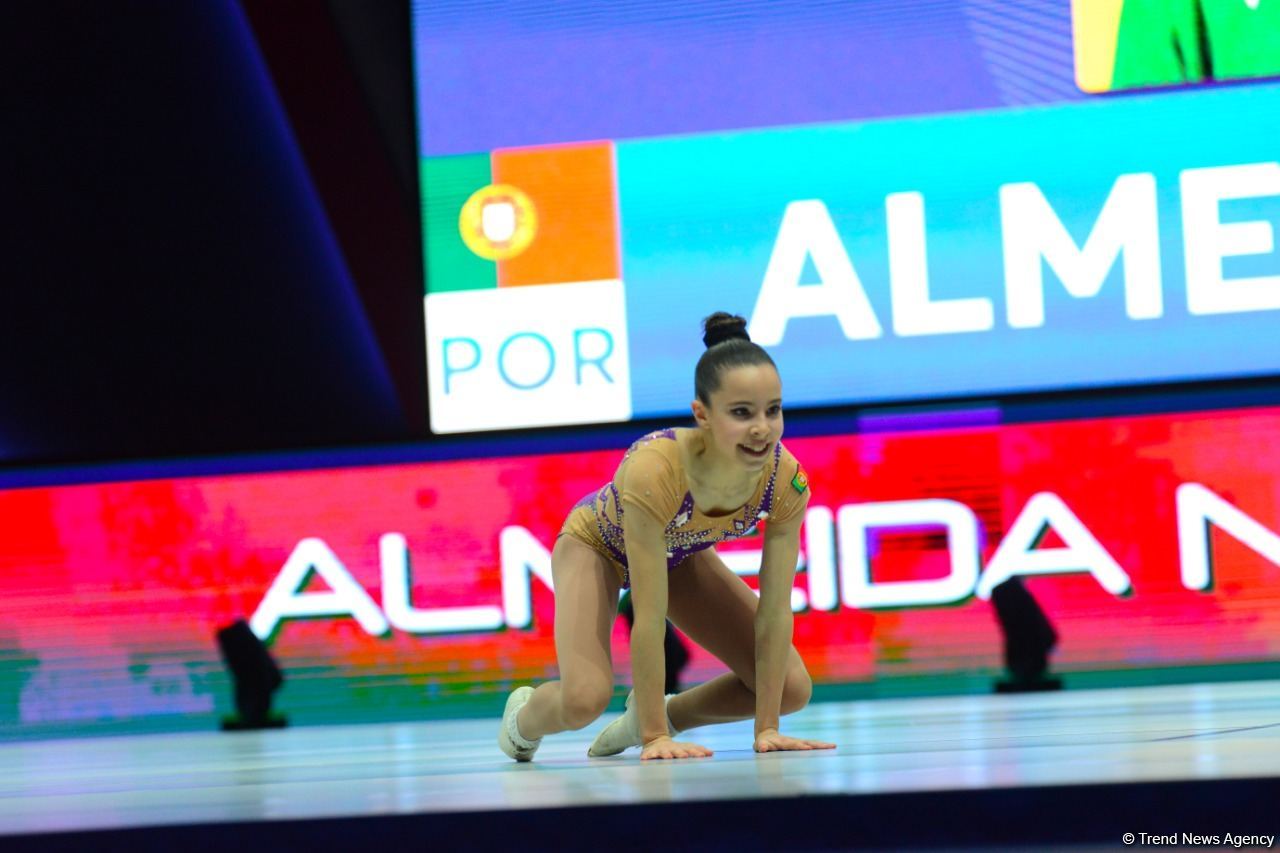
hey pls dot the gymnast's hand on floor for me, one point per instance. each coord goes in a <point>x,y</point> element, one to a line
<point>771,740</point>
<point>665,747</point>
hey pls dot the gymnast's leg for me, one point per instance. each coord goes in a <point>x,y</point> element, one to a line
<point>586,589</point>
<point>717,609</point>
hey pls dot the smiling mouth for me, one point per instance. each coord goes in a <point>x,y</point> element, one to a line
<point>751,451</point>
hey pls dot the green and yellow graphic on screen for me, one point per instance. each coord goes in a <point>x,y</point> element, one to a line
<point>1136,44</point>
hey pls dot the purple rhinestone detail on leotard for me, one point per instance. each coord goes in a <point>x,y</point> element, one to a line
<point>679,543</point>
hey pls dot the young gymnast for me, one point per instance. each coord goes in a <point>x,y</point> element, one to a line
<point>675,495</point>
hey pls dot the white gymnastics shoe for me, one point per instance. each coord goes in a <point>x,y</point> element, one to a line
<point>510,741</point>
<point>624,732</point>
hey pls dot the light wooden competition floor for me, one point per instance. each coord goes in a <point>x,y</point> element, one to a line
<point>1185,732</point>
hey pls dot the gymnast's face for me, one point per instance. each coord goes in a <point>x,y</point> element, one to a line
<point>745,416</point>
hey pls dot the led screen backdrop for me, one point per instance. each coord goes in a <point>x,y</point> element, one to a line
<point>918,204</point>
<point>416,590</point>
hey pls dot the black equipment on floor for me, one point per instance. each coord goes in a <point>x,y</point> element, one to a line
<point>1028,639</point>
<point>255,676</point>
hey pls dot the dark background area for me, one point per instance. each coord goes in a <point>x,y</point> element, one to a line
<point>211,246</point>
<point>211,233</point>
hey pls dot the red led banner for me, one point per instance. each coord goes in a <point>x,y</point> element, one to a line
<point>1149,541</point>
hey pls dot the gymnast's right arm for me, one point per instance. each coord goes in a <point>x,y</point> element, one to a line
<point>645,543</point>
<point>648,568</point>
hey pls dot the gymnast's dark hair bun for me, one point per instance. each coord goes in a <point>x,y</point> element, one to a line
<point>723,326</point>
<point>738,351</point>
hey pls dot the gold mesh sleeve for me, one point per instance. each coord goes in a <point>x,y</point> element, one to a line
<point>648,482</point>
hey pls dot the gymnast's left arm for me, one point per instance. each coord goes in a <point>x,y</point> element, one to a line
<point>773,630</point>
<point>774,620</point>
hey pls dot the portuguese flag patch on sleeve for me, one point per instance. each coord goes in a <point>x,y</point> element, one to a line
<point>800,481</point>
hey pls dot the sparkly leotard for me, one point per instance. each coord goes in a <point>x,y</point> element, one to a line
<point>651,475</point>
